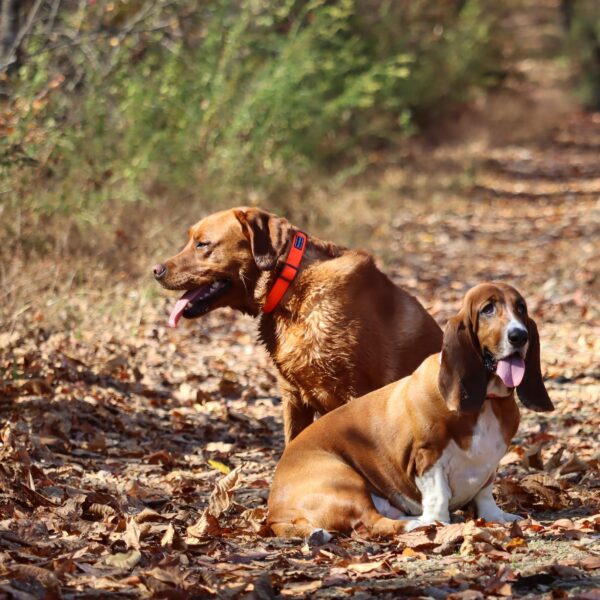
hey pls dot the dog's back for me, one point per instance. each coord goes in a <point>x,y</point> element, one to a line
<point>348,330</point>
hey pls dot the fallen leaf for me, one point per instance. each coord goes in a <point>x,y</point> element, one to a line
<point>219,466</point>
<point>417,539</point>
<point>132,534</point>
<point>124,560</point>
<point>512,457</point>
<point>205,525</point>
<point>167,538</point>
<point>516,543</point>
<point>573,465</point>
<point>366,567</point>
<point>44,576</point>
<point>220,498</point>
<point>554,461</point>
<point>590,563</point>
<point>546,489</point>
<point>301,589</point>
<point>409,552</point>
<point>532,459</point>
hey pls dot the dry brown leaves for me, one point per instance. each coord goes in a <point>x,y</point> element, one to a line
<point>136,460</point>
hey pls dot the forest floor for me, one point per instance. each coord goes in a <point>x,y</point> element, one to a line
<point>116,432</point>
<point>135,460</point>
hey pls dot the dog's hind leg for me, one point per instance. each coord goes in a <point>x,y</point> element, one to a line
<point>379,525</point>
<point>303,530</point>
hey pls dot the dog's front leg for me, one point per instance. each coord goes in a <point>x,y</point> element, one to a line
<point>435,497</point>
<point>297,415</point>
<point>488,509</point>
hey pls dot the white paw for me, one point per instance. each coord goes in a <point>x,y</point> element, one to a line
<point>510,518</point>
<point>500,516</point>
<point>416,522</point>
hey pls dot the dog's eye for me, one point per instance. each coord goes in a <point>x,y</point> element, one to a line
<point>201,244</point>
<point>489,309</point>
<point>521,308</point>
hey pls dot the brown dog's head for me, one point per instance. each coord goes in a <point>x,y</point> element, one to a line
<point>221,262</point>
<point>492,346</point>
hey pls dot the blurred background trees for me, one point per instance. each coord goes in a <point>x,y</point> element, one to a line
<point>228,93</point>
<point>104,102</point>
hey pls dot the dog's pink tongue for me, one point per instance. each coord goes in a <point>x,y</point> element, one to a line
<point>180,306</point>
<point>511,370</point>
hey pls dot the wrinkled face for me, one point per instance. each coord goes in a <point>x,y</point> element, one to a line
<point>499,315</point>
<point>499,318</point>
<point>492,347</point>
<point>215,266</point>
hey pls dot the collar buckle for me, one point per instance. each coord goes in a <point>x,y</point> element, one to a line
<point>287,275</point>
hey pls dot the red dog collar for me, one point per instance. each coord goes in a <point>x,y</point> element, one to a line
<point>288,273</point>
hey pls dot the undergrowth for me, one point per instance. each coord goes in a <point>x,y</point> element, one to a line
<point>229,100</point>
<point>582,18</point>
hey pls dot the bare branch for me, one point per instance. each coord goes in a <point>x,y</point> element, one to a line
<point>31,18</point>
<point>10,53</point>
<point>52,18</point>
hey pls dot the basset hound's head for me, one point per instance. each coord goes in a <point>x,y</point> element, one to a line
<point>490,348</point>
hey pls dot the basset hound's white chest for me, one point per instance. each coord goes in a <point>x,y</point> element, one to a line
<point>457,476</point>
<point>467,471</point>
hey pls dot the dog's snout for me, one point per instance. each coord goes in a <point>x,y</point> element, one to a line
<point>159,271</point>
<point>517,337</point>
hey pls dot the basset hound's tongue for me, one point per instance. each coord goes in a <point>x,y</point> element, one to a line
<point>511,370</point>
<point>182,304</point>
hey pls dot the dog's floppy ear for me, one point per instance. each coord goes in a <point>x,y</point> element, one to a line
<point>532,391</point>
<point>462,379</point>
<point>266,233</point>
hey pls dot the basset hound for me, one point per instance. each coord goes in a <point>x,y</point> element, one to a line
<point>407,454</point>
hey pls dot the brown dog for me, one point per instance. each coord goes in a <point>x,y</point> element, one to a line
<point>341,329</point>
<point>407,454</point>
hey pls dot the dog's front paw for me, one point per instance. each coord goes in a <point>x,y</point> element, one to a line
<point>417,522</point>
<point>413,524</point>
<point>499,516</point>
<point>510,518</point>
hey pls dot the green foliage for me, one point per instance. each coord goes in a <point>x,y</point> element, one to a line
<point>584,48</point>
<point>249,97</point>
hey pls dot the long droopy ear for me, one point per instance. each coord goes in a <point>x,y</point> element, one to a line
<point>266,233</point>
<point>532,391</point>
<point>462,379</point>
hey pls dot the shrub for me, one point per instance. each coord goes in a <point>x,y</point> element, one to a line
<point>240,96</point>
<point>583,21</point>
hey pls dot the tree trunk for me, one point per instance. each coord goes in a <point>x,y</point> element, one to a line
<point>9,29</point>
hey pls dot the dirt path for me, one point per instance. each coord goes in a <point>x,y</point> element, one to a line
<point>115,434</point>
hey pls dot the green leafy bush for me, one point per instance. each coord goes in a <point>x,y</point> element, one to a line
<point>242,96</point>
<point>583,20</point>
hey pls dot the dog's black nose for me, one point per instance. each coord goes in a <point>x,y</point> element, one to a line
<point>517,337</point>
<point>159,271</point>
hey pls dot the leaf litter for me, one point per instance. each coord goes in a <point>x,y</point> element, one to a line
<point>138,463</point>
